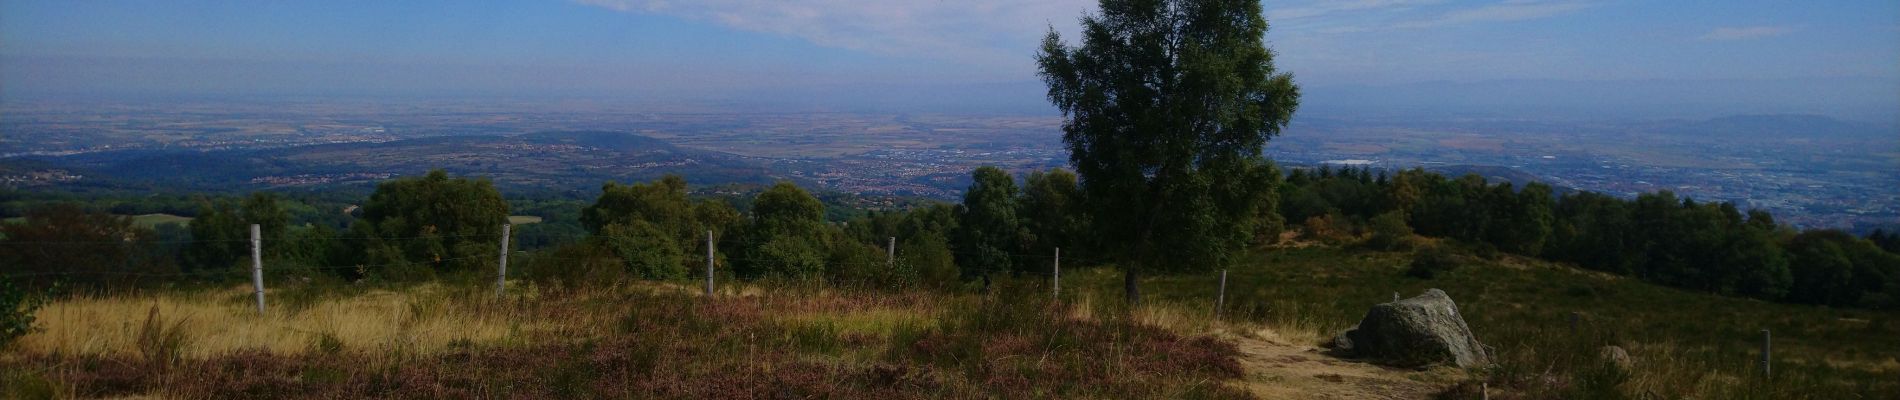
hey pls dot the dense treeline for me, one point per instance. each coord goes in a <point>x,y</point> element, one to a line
<point>1658,237</point>
<point>420,228</point>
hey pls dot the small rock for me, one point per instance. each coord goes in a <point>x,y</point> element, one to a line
<point>1614,355</point>
<point>1341,344</point>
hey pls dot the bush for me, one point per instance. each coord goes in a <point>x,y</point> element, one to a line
<point>646,251</point>
<point>577,264</point>
<point>16,312</point>
<point>1431,262</point>
<point>1326,229</point>
<point>1389,232</point>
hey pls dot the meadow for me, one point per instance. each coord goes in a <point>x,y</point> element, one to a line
<point>640,340</point>
<point>453,339</point>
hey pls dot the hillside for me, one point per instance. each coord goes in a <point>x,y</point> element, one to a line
<point>1685,344</point>
<point>776,339</point>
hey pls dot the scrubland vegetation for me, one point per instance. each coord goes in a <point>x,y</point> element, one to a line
<point>813,308</point>
<point>639,340</point>
<point>1167,108</point>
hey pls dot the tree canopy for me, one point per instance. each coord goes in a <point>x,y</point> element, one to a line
<point>1165,103</point>
<point>447,224</point>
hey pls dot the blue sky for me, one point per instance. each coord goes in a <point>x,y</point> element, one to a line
<point>1839,57</point>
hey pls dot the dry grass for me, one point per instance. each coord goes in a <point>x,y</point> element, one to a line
<point>644,340</point>
<point>419,320</point>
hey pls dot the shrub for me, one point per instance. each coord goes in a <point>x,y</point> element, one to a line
<point>646,251</point>
<point>1430,262</point>
<point>16,312</point>
<point>162,344</point>
<point>575,264</point>
<point>1389,232</point>
<point>1326,229</point>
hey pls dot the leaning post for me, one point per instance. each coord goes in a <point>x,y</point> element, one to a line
<point>1220,302</point>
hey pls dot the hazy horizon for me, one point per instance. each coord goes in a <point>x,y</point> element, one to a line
<point>1562,59</point>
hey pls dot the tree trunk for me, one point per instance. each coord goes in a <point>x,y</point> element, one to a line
<point>1131,289</point>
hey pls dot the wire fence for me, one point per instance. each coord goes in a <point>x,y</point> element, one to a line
<point>728,248</point>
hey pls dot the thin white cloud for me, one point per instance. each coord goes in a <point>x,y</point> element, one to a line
<point>1330,7</point>
<point>980,32</point>
<point>1746,32</point>
<point>1502,12</point>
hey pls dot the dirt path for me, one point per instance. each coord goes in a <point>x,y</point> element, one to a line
<point>1280,370</point>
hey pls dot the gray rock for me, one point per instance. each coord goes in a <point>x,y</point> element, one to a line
<point>1414,332</point>
<point>1340,344</point>
<point>1614,355</point>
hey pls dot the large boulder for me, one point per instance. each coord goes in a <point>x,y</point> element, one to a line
<point>1414,332</point>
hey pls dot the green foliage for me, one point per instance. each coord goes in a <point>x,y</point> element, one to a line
<point>16,311</point>
<point>221,234</point>
<point>1835,268</point>
<point>927,255</point>
<point>1050,210</point>
<point>646,251</point>
<point>795,257</point>
<point>1166,104</point>
<point>1389,232</point>
<point>441,223</point>
<point>787,208</point>
<point>63,242</point>
<point>1524,218</point>
<point>651,226</point>
<point>1885,240</point>
<point>989,233</point>
<point>1430,262</point>
<point>924,255</point>
<point>574,265</point>
<point>662,203</point>
<point>1712,247</point>
<point>854,263</point>
<point>786,236</point>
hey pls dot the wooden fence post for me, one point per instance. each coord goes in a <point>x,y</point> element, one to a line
<point>501,269</point>
<point>709,263</point>
<point>1766,367</point>
<point>1220,302</point>
<point>1055,277</point>
<point>257,265</point>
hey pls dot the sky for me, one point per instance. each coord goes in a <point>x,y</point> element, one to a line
<point>1493,57</point>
